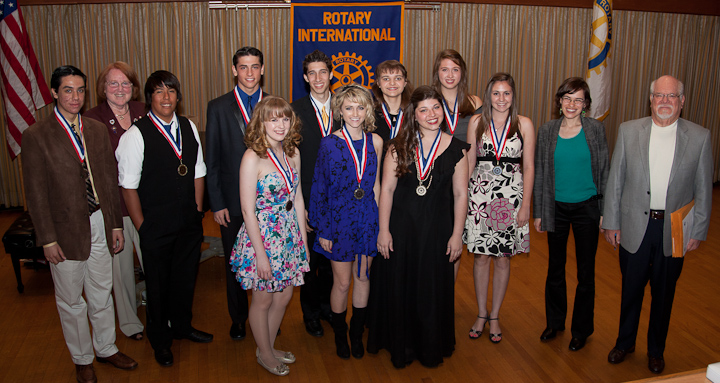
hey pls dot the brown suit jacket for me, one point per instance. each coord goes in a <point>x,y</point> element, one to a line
<point>55,186</point>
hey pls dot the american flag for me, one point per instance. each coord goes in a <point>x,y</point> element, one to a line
<point>23,86</point>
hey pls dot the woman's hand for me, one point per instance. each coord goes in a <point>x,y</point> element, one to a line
<point>326,244</point>
<point>537,223</point>
<point>262,264</point>
<point>454,247</point>
<point>385,244</point>
<point>523,216</point>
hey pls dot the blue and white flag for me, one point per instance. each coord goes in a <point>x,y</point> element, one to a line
<point>599,73</point>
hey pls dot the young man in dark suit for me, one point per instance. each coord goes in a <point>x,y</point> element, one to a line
<point>161,171</point>
<point>317,122</point>
<point>71,187</point>
<point>227,117</point>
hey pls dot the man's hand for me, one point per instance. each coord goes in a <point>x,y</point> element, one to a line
<point>222,217</point>
<point>118,241</point>
<point>613,236</point>
<point>54,254</point>
<point>693,244</point>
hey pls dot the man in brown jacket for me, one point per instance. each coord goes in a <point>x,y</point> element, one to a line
<point>71,184</point>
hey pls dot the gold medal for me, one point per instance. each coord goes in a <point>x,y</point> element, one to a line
<point>182,170</point>
<point>359,193</point>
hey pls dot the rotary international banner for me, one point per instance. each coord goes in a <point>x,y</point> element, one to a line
<point>356,36</point>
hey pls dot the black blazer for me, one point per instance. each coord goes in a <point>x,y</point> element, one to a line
<point>310,143</point>
<point>224,135</point>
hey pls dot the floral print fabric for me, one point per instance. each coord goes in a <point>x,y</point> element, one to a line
<point>493,203</point>
<point>281,236</point>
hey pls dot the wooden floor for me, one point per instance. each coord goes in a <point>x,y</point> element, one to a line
<point>32,348</point>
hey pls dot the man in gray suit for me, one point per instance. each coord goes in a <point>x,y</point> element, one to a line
<point>645,183</point>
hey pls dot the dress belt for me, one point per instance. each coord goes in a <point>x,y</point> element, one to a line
<point>657,214</point>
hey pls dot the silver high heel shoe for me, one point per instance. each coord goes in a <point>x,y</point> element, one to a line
<point>287,357</point>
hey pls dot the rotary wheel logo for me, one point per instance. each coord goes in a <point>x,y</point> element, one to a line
<point>349,68</point>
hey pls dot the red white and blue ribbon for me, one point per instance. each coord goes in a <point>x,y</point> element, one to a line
<point>499,142</point>
<point>360,162</point>
<point>286,175</point>
<point>426,162</point>
<point>75,139</point>
<point>176,145</point>
<point>241,104</point>
<point>324,130</point>
<point>451,118</point>
<point>394,129</point>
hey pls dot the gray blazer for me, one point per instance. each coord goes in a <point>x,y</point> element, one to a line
<point>627,196</point>
<point>544,187</point>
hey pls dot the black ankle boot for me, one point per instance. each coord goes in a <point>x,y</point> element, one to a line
<point>357,326</point>
<point>340,328</point>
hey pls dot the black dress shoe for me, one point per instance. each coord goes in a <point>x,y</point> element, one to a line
<point>327,317</point>
<point>549,333</point>
<point>314,328</point>
<point>618,356</point>
<point>656,365</point>
<point>577,343</point>
<point>237,331</point>
<point>196,336</point>
<point>164,357</point>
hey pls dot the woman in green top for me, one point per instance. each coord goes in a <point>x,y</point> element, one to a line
<point>571,168</point>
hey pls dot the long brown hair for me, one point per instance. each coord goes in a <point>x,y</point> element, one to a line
<point>465,105</point>
<point>266,109</point>
<point>487,110</point>
<point>407,140</point>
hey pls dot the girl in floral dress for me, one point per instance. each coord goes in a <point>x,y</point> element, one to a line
<point>270,254</point>
<point>501,161</point>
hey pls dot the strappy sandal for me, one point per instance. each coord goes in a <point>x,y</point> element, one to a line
<point>495,338</point>
<point>475,334</point>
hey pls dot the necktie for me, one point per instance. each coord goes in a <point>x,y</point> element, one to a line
<point>93,204</point>
<point>324,117</point>
<point>250,108</point>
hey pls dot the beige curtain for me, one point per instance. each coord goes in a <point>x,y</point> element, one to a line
<point>539,46</point>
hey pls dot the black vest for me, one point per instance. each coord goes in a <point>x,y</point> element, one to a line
<point>165,195</point>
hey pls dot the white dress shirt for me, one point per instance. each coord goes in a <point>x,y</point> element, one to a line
<point>130,154</point>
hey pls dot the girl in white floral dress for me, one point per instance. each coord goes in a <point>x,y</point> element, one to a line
<point>270,254</point>
<point>501,161</point>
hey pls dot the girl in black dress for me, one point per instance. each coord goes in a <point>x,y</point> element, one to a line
<point>423,204</point>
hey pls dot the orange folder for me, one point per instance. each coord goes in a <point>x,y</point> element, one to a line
<point>681,225</point>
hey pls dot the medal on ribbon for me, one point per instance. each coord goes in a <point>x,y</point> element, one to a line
<point>324,130</point>
<point>451,118</point>
<point>360,161</point>
<point>499,143</point>
<point>74,138</point>
<point>286,175</point>
<point>241,104</point>
<point>394,129</point>
<point>176,144</point>
<point>424,164</point>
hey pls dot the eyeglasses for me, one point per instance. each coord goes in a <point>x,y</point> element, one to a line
<point>115,84</point>
<point>577,101</point>
<point>670,96</point>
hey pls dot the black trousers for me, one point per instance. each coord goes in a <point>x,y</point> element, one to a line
<point>584,218</point>
<point>170,260</point>
<point>649,263</point>
<point>237,299</point>
<point>315,293</point>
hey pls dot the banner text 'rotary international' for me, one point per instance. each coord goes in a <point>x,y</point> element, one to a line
<point>347,34</point>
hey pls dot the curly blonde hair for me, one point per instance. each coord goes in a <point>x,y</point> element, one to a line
<point>355,93</point>
<point>255,135</point>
